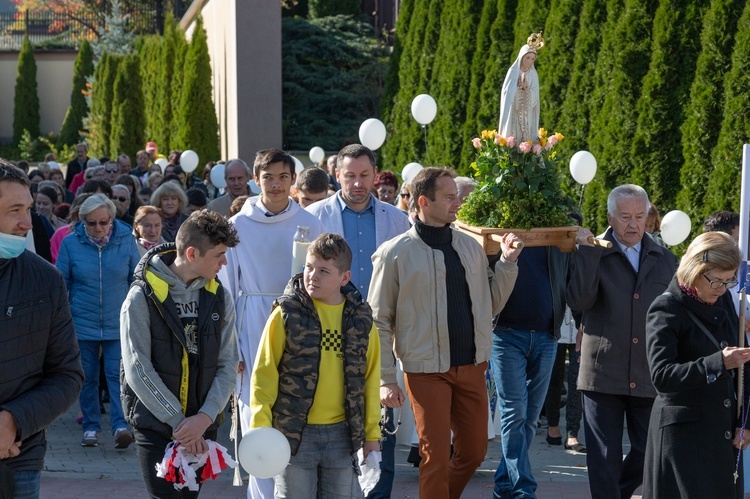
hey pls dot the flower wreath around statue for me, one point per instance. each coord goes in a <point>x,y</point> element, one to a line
<point>518,183</point>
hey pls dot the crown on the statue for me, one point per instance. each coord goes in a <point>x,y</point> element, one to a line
<point>535,41</point>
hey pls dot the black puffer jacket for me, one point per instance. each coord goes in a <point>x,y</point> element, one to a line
<point>40,365</point>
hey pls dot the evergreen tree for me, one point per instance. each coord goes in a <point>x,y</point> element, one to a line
<point>199,128</point>
<point>700,131</point>
<point>325,8</point>
<point>574,114</point>
<point>79,109</point>
<point>167,87</point>
<point>406,144</point>
<point>102,94</point>
<point>152,79</point>
<point>665,89</point>
<point>455,47</point>
<point>615,122</point>
<point>332,82</point>
<point>501,49</point>
<point>392,82</point>
<point>180,44</point>
<point>723,184</point>
<point>26,102</point>
<point>531,17</point>
<point>126,136</point>
<point>114,35</point>
<point>556,61</point>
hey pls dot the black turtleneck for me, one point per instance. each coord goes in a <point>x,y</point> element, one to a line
<point>460,318</point>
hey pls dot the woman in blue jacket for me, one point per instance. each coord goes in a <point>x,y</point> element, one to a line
<point>97,262</point>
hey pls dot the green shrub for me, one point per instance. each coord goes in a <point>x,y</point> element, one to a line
<point>26,102</point>
<point>79,109</point>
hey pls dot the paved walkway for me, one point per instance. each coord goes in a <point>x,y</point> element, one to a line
<point>73,471</point>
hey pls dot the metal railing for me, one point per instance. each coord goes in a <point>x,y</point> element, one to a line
<point>52,30</point>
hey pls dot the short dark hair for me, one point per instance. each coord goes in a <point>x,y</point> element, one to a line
<point>203,230</point>
<point>330,246</point>
<point>386,178</point>
<point>23,165</point>
<point>424,182</point>
<point>91,186</point>
<point>11,173</point>
<point>265,157</point>
<point>354,151</point>
<point>196,197</point>
<point>312,179</point>
<point>721,221</point>
<point>237,205</point>
<point>50,192</point>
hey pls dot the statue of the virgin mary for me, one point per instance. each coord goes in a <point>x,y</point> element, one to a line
<point>519,103</point>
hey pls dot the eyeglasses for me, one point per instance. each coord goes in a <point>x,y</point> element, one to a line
<point>111,170</point>
<point>120,199</point>
<point>94,223</point>
<point>716,284</point>
<point>405,195</point>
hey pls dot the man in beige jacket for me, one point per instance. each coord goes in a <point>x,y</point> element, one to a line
<point>433,298</point>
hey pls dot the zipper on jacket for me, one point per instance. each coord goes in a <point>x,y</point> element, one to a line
<point>101,299</point>
<point>9,310</point>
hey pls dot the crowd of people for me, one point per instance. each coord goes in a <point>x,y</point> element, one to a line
<point>170,295</point>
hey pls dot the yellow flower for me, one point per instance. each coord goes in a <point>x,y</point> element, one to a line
<point>559,136</point>
<point>542,141</point>
<point>542,133</point>
<point>488,134</point>
<point>474,166</point>
<point>501,141</point>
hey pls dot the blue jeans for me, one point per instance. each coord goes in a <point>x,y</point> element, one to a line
<point>322,466</point>
<point>89,398</point>
<point>27,484</point>
<point>521,363</point>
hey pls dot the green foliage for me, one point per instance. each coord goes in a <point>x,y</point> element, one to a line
<point>405,141</point>
<point>199,128</point>
<point>517,187</point>
<point>530,18</point>
<point>615,122</point>
<point>99,123</point>
<point>126,135</point>
<point>665,89</point>
<point>149,49</point>
<point>700,131</point>
<point>326,8</point>
<point>723,184</point>
<point>163,126</point>
<point>332,80</point>
<point>556,63</point>
<point>26,102</point>
<point>79,109</point>
<point>392,81</point>
<point>456,45</point>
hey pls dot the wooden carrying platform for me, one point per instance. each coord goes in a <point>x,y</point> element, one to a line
<point>562,237</point>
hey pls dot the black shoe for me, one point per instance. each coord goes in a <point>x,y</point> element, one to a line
<point>414,457</point>
<point>554,440</point>
<point>579,447</point>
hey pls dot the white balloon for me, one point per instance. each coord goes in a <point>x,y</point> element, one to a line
<point>217,176</point>
<point>264,452</point>
<point>372,133</point>
<point>583,167</point>
<point>254,188</point>
<point>424,109</point>
<point>675,227</point>
<point>189,161</point>
<point>317,154</point>
<point>410,171</point>
<point>162,163</point>
<point>298,167</point>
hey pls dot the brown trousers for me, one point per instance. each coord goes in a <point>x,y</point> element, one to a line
<point>455,400</point>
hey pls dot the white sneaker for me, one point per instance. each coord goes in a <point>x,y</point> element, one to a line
<point>90,439</point>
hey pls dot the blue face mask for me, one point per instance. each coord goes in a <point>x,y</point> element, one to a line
<point>11,246</point>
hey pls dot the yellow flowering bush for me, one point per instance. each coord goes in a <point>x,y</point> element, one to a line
<point>518,183</point>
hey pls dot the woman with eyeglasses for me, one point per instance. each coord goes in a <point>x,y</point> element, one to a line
<point>97,262</point>
<point>691,339</point>
<point>170,197</point>
<point>147,227</point>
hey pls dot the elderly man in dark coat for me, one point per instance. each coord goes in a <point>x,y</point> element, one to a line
<point>613,288</point>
